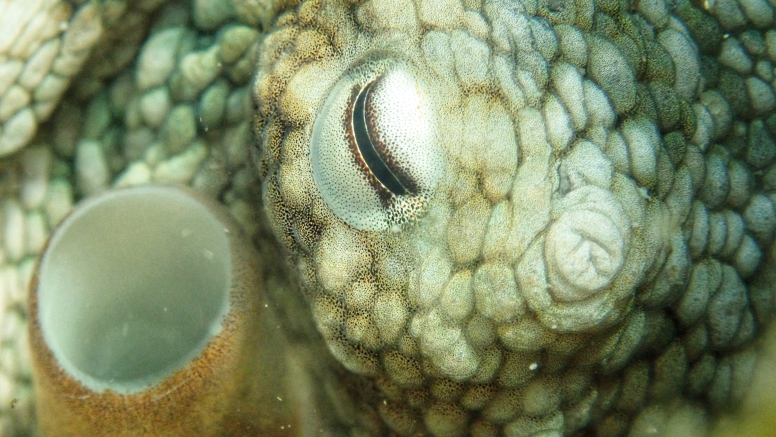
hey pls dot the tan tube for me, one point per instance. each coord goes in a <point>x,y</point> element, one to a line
<point>148,319</point>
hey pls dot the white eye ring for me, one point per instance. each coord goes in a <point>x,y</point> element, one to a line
<point>374,151</point>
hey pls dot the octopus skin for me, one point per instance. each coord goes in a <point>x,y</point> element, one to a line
<point>577,239</point>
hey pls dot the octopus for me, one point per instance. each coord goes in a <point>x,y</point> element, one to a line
<point>478,217</point>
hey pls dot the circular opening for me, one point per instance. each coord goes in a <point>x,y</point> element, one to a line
<point>132,286</point>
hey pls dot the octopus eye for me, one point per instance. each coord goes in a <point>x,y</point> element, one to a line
<point>374,154</point>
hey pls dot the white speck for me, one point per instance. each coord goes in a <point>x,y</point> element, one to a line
<point>554,326</point>
<point>278,398</point>
<point>533,366</point>
<point>208,254</point>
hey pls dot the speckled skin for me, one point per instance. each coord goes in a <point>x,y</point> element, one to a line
<point>597,258</point>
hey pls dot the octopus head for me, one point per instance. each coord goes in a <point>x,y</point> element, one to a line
<point>483,214</point>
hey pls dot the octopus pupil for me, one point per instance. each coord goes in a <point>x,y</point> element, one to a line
<point>371,156</point>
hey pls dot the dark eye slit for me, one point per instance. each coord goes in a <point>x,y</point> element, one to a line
<point>372,158</point>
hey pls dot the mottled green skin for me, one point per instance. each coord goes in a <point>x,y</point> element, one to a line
<point>600,240</point>
<point>597,257</point>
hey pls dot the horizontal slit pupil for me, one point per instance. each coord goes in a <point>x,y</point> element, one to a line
<point>374,162</point>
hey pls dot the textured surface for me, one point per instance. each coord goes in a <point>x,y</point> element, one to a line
<point>597,257</point>
<point>600,238</point>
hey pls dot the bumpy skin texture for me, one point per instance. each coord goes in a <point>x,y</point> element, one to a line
<point>33,41</point>
<point>601,237</point>
<point>45,44</point>
<point>596,258</point>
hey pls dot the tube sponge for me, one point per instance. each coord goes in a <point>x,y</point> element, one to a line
<point>147,319</point>
<point>132,287</point>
